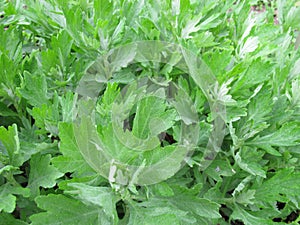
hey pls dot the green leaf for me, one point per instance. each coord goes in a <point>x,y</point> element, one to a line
<point>102,9</point>
<point>68,107</point>
<point>293,17</point>
<point>33,86</point>
<point>6,111</point>
<point>152,118</point>
<point>10,141</point>
<point>8,203</point>
<point>158,215</point>
<point>65,67</point>
<point>220,59</point>
<point>182,207</point>
<point>122,57</point>
<point>6,219</point>
<point>163,189</point>
<point>71,160</point>
<point>256,73</point>
<point>248,218</point>
<point>294,73</point>
<point>113,159</point>
<point>219,168</point>
<point>59,55</point>
<point>210,22</point>
<point>204,39</point>
<point>46,117</point>
<point>257,110</point>
<point>42,174</point>
<point>133,157</point>
<point>63,210</point>
<point>249,46</point>
<point>200,207</point>
<point>12,49</point>
<point>193,25</point>
<point>284,182</point>
<point>7,76</point>
<point>98,196</point>
<point>250,160</point>
<point>246,198</point>
<point>111,92</point>
<point>287,135</point>
<point>8,197</point>
<point>281,104</point>
<point>187,114</point>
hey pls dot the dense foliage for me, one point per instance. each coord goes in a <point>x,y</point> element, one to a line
<point>65,77</point>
